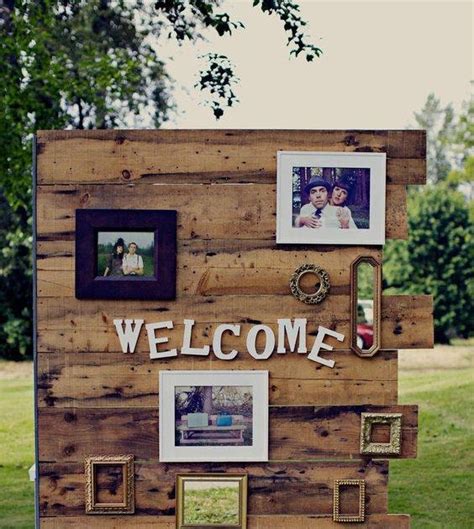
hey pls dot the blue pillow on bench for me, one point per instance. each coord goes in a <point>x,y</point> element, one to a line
<point>224,420</point>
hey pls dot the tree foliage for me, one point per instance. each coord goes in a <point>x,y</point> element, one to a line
<point>93,64</point>
<point>438,257</point>
<point>439,122</point>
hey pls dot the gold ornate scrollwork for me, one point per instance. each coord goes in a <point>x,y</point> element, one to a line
<point>324,284</point>
<point>127,505</point>
<point>393,447</point>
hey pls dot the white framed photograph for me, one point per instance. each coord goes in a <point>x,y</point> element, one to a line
<point>208,416</point>
<point>331,198</point>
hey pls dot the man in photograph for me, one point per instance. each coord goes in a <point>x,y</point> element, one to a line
<point>319,212</point>
<point>132,262</point>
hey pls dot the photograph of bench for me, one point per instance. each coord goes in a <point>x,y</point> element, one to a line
<point>212,433</point>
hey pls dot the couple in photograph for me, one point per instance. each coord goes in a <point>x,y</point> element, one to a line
<point>327,206</point>
<point>120,263</point>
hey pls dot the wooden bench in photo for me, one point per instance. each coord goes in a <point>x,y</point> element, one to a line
<point>213,434</point>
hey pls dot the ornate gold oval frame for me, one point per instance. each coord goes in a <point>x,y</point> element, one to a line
<point>324,284</point>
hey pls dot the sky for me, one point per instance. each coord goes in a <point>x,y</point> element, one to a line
<point>142,239</point>
<point>381,60</point>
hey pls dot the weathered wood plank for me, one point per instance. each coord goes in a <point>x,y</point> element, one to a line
<point>90,380</point>
<point>225,253</point>
<point>375,521</point>
<point>296,433</point>
<point>406,320</point>
<point>274,488</point>
<point>216,267</point>
<point>210,155</point>
<point>238,211</point>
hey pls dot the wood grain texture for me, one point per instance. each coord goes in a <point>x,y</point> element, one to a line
<point>210,155</point>
<point>217,267</point>
<point>205,211</point>
<point>297,433</point>
<point>91,380</point>
<point>229,270</point>
<point>375,521</point>
<point>274,488</point>
<point>406,320</point>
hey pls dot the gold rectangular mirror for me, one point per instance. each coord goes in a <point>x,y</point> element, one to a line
<point>366,285</point>
<point>211,501</point>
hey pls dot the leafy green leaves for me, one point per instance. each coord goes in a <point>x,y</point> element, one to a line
<point>91,64</point>
<point>437,258</point>
<point>218,80</point>
<point>288,12</point>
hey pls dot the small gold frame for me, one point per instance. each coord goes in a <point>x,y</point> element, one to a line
<point>393,447</point>
<point>337,516</point>
<point>127,506</point>
<point>242,480</point>
<point>324,284</point>
<point>377,267</point>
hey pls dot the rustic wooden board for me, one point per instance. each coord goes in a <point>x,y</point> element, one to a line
<point>91,380</point>
<point>274,488</point>
<point>225,253</point>
<point>229,270</point>
<point>211,155</point>
<point>206,211</point>
<point>375,521</point>
<point>406,321</point>
<point>296,433</point>
<point>220,267</point>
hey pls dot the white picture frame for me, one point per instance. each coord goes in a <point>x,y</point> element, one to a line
<point>366,229</point>
<point>219,445</point>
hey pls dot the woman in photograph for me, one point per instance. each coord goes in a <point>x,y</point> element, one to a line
<point>339,197</point>
<point>115,261</point>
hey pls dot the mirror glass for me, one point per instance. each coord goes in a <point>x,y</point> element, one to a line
<point>211,502</point>
<point>365,305</point>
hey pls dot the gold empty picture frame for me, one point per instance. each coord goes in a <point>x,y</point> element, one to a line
<point>223,495</point>
<point>127,503</point>
<point>366,313</point>
<point>394,445</point>
<point>337,515</point>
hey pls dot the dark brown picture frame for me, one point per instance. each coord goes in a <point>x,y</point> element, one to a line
<point>162,285</point>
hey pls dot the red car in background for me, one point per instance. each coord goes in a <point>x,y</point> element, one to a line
<point>365,335</point>
<point>365,327</point>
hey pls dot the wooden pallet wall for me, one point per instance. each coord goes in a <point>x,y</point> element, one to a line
<point>223,185</point>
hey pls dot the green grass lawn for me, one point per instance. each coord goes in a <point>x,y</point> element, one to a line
<point>212,506</point>
<point>16,453</point>
<point>436,489</point>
